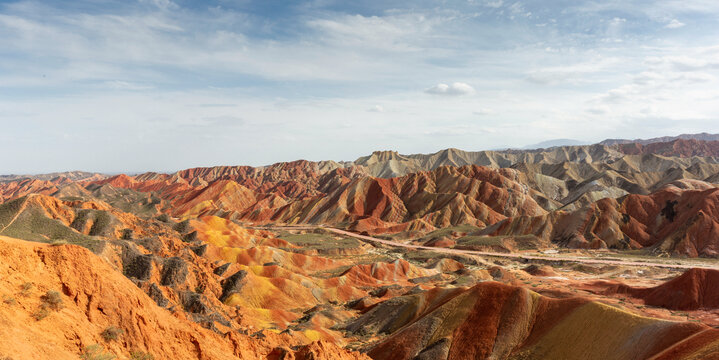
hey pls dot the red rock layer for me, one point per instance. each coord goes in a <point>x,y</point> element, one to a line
<point>496,321</point>
<point>680,218</point>
<point>695,289</point>
<point>446,196</point>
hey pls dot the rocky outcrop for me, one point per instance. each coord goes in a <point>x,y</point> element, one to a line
<point>232,284</point>
<point>174,271</point>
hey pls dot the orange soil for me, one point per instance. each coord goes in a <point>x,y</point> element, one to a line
<point>95,296</point>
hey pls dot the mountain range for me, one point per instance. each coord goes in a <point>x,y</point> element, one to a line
<point>603,251</point>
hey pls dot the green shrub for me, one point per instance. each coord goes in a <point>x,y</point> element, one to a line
<point>9,300</point>
<point>53,299</point>
<point>112,333</point>
<point>96,352</point>
<point>26,288</point>
<point>41,313</point>
<point>127,234</point>
<point>140,355</point>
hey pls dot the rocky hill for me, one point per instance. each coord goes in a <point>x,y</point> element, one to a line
<point>700,136</point>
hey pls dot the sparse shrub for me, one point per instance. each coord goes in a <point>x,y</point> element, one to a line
<point>96,352</point>
<point>140,355</point>
<point>127,234</point>
<point>8,300</point>
<point>26,288</point>
<point>112,333</point>
<point>58,242</point>
<point>41,313</point>
<point>53,299</point>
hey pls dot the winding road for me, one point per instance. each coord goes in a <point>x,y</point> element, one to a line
<point>546,257</point>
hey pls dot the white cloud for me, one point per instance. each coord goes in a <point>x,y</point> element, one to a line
<point>578,73</point>
<point>456,89</point>
<point>615,29</point>
<point>376,108</point>
<point>494,4</point>
<point>518,9</point>
<point>671,88</point>
<point>483,111</point>
<point>162,4</point>
<point>698,61</point>
<point>674,24</point>
<point>397,32</point>
<point>125,85</point>
<point>222,121</point>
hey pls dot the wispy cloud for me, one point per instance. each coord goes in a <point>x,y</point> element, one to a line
<point>581,72</point>
<point>494,4</point>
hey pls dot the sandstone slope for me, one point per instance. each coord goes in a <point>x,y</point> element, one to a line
<point>94,297</point>
<point>492,320</point>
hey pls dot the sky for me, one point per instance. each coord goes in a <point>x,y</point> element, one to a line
<point>162,85</point>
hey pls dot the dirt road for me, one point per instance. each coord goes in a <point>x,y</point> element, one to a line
<point>543,257</point>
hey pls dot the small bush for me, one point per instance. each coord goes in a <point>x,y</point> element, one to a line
<point>9,300</point>
<point>53,299</point>
<point>140,355</point>
<point>41,313</point>
<point>26,288</point>
<point>112,333</point>
<point>96,352</point>
<point>127,234</point>
<point>58,242</point>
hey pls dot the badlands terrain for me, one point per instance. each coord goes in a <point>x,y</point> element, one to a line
<point>604,251</point>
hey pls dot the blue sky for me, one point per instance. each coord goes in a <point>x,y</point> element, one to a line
<point>165,85</point>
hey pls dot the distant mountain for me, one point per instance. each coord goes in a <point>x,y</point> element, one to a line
<point>389,192</point>
<point>554,143</point>
<point>701,136</point>
<point>70,175</point>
